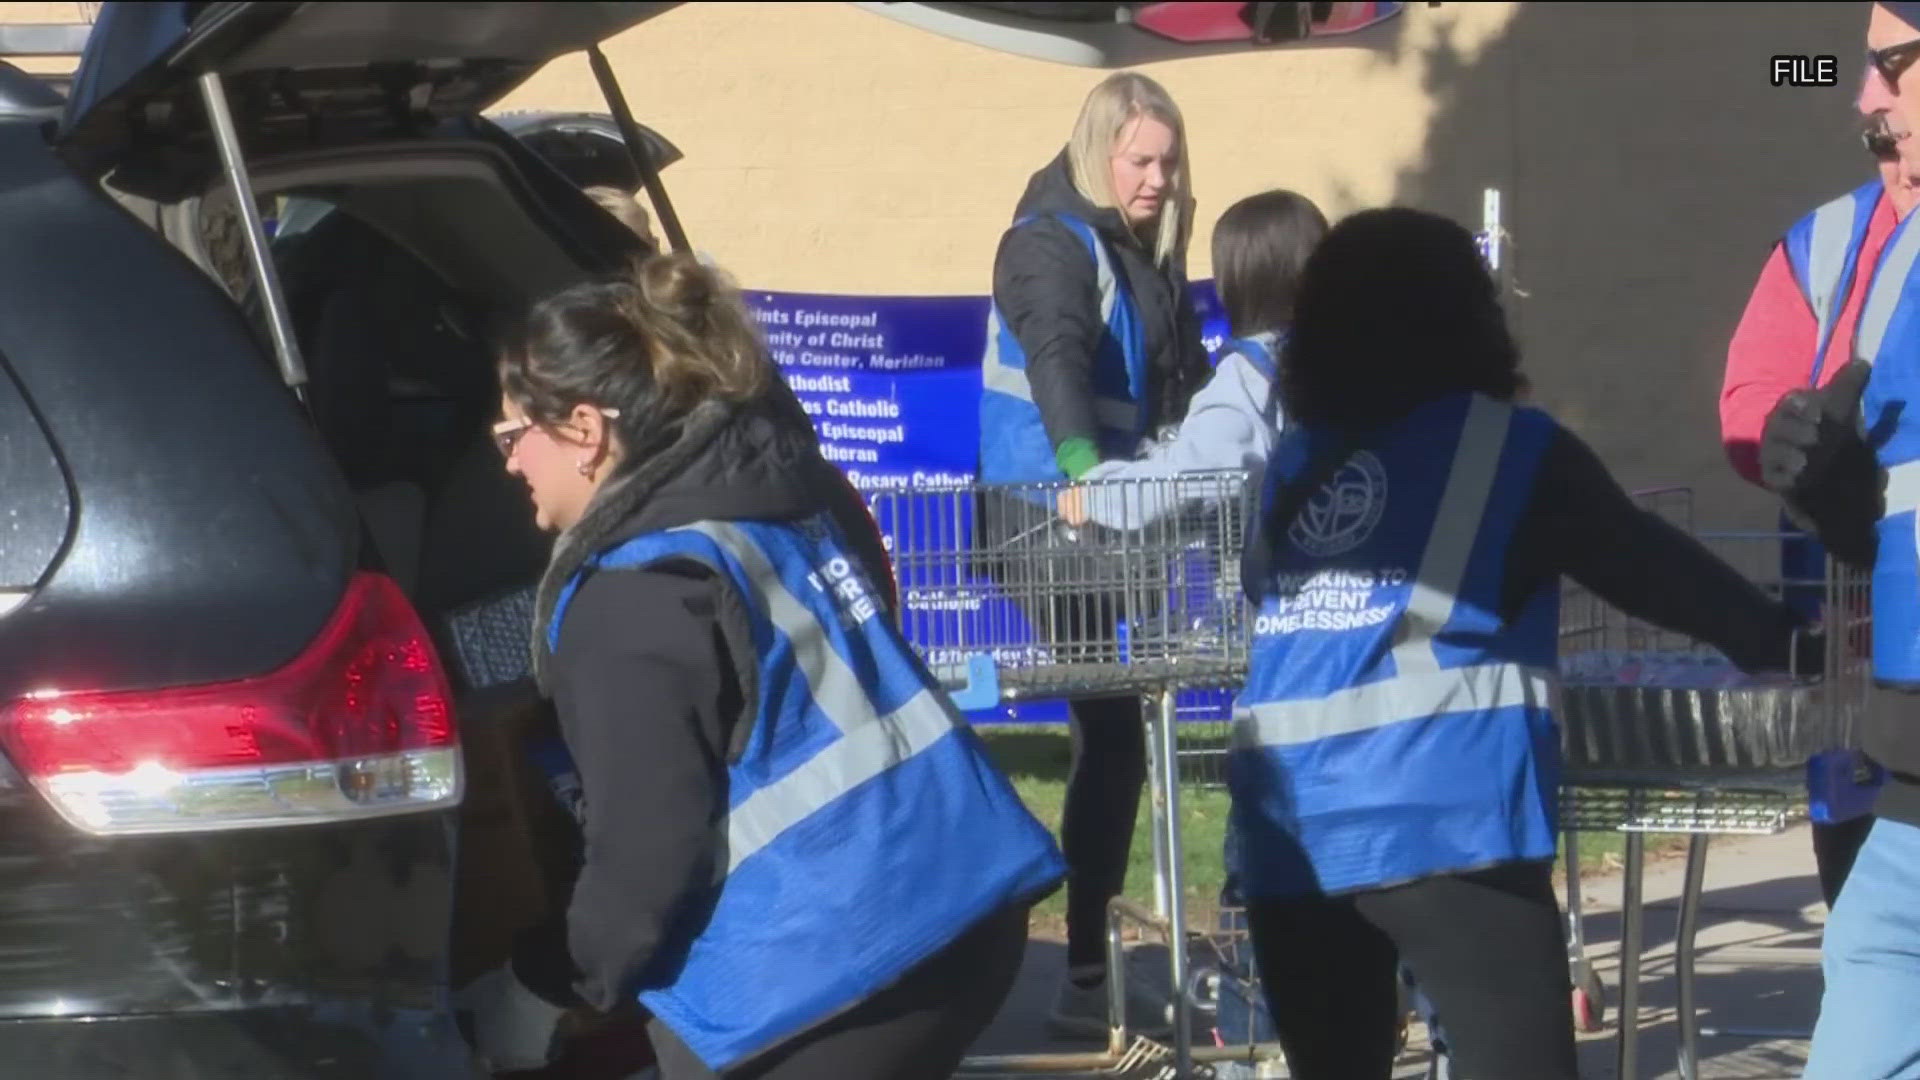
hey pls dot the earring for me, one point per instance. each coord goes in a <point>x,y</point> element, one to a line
<point>586,469</point>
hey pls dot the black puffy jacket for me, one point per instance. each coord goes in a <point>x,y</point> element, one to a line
<point>1045,288</point>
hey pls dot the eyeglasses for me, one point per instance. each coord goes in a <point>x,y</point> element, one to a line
<point>1894,60</point>
<point>508,433</point>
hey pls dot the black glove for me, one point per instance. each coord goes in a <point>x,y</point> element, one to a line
<point>1813,456</point>
<point>1807,429</point>
<point>1844,512</point>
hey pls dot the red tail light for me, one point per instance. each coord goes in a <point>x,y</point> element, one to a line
<point>359,724</point>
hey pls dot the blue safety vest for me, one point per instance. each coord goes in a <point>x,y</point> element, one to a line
<point>1262,352</point>
<point>866,829</point>
<point>1258,350</point>
<point>1393,725</point>
<point>1014,447</point>
<point>1824,251</point>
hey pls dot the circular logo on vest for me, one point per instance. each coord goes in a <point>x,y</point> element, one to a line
<point>1345,511</point>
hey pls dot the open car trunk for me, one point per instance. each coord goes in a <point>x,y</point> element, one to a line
<point>406,225</point>
<point>397,260</point>
<point>382,232</point>
<point>299,74</point>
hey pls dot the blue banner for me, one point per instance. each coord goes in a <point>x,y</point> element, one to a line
<point>893,387</point>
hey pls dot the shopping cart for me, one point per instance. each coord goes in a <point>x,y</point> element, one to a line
<point>1006,600</point>
<point>1662,735</point>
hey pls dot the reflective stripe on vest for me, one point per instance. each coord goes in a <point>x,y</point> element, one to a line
<point>1419,687</point>
<point>866,828</point>
<point>1395,724</point>
<point>1903,488</point>
<point>872,743</point>
<point>1390,701</point>
<point>1012,381</point>
<point>1886,337</point>
<point>1822,249</point>
<point>1014,443</point>
<point>1890,280</point>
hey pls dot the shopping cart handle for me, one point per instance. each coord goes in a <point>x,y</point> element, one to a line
<point>983,685</point>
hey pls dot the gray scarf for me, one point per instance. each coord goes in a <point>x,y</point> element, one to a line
<point>613,506</point>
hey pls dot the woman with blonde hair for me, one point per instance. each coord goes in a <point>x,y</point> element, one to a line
<point>798,857</point>
<point>625,207</point>
<point>1093,350</point>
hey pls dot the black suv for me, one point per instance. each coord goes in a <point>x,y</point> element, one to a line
<point>232,565</point>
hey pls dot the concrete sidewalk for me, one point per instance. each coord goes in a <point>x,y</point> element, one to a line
<point>1757,967</point>
<point>1757,960</point>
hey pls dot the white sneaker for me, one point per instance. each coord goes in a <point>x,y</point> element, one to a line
<point>1081,1012</point>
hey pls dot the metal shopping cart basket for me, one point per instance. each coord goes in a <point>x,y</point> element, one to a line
<point>1661,734</point>
<point>1134,591</point>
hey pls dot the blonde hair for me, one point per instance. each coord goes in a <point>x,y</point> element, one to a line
<point>626,207</point>
<point>1120,99</point>
<point>654,343</point>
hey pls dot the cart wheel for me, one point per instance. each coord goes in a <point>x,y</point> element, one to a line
<point>1588,1011</point>
<point>1596,993</point>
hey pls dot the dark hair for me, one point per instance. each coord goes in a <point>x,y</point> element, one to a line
<point>1396,309</point>
<point>653,344</point>
<point>1260,246</point>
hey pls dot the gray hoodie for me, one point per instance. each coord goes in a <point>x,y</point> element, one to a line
<point>1227,427</point>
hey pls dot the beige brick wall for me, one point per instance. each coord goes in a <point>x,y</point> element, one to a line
<point>1647,163</point>
<point>831,149</point>
<point>46,13</point>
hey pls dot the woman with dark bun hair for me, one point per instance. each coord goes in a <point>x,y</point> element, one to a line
<point>798,856</point>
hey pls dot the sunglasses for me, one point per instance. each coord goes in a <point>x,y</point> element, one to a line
<point>508,433</point>
<point>1894,60</point>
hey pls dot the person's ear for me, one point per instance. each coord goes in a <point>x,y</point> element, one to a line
<point>595,436</point>
<point>589,428</point>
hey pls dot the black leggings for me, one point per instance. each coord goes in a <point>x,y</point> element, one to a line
<point>1077,604</point>
<point>1104,782</point>
<point>1487,949</point>
<point>918,1029</point>
<point>1834,849</point>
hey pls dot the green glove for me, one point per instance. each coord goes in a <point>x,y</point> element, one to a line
<point>1076,456</point>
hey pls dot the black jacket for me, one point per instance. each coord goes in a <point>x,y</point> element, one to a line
<point>1581,525</point>
<point>653,684</point>
<point>1044,285</point>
